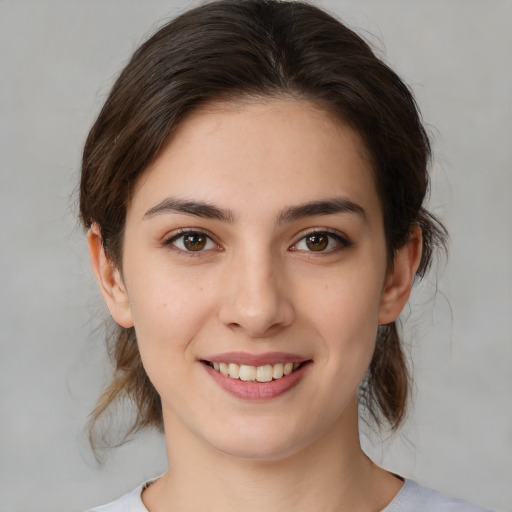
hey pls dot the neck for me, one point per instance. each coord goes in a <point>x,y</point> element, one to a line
<point>331,474</point>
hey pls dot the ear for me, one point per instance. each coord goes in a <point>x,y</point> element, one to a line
<point>109,280</point>
<point>400,278</point>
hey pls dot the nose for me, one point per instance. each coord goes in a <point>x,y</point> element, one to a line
<point>256,298</point>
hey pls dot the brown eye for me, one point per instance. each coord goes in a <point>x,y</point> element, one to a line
<point>317,241</point>
<point>322,242</point>
<point>194,241</point>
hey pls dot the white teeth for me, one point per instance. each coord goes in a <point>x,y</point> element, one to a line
<point>234,370</point>
<point>249,373</point>
<point>264,373</point>
<point>278,371</point>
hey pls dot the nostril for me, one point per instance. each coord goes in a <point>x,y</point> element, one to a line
<point>255,309</point>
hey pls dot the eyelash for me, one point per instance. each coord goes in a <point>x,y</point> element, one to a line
<point>182,233</point>
<point>340,242</point>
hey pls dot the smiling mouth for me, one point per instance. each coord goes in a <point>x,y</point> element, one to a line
<point>247,373</point>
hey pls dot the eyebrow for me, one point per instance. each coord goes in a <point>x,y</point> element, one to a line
<point>196,208</point>
<point>324,207</point>
<point>290,214</point>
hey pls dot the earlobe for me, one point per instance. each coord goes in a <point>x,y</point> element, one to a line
<point>109,280</point>
<point>400,278</point>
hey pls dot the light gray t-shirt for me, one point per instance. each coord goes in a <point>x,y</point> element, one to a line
<point>411,498</point>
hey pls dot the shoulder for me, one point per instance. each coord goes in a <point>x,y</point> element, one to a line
<point>131,502</point>
<point>413,497</point>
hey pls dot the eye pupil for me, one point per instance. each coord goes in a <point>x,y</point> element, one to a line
<point>317,242</point>
<point>194,241</point>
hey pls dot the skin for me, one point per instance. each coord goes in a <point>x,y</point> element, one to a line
<point>258,287</point>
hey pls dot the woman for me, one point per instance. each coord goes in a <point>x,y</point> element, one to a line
<point>253,191</point>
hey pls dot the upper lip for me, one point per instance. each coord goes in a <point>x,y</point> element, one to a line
<point>256,359</point>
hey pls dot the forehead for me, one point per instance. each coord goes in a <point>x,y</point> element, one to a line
<point>271,152</point>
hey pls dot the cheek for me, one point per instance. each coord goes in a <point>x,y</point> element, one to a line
<point>167,316</point>
<point>344,312</point>
<point>167,311</point>
<point>344,301</point>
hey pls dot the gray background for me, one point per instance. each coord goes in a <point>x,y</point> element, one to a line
<point>57,62</point>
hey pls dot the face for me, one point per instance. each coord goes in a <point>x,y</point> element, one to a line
<point>254,272</point>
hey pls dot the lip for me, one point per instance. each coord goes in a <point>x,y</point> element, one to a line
<point>258,391</point>
<point>256,359</point>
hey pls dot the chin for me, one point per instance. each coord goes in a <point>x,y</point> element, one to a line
<point>260,442</point>
<point>263,451</point>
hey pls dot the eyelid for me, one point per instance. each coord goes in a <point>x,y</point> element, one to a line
<point>170,238</point>
<point>340,238</point>
<point>343,240</point>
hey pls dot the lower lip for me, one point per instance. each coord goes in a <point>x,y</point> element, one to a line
<point>259,391</point>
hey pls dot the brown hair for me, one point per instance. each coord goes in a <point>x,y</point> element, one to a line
<point>232,49</point>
